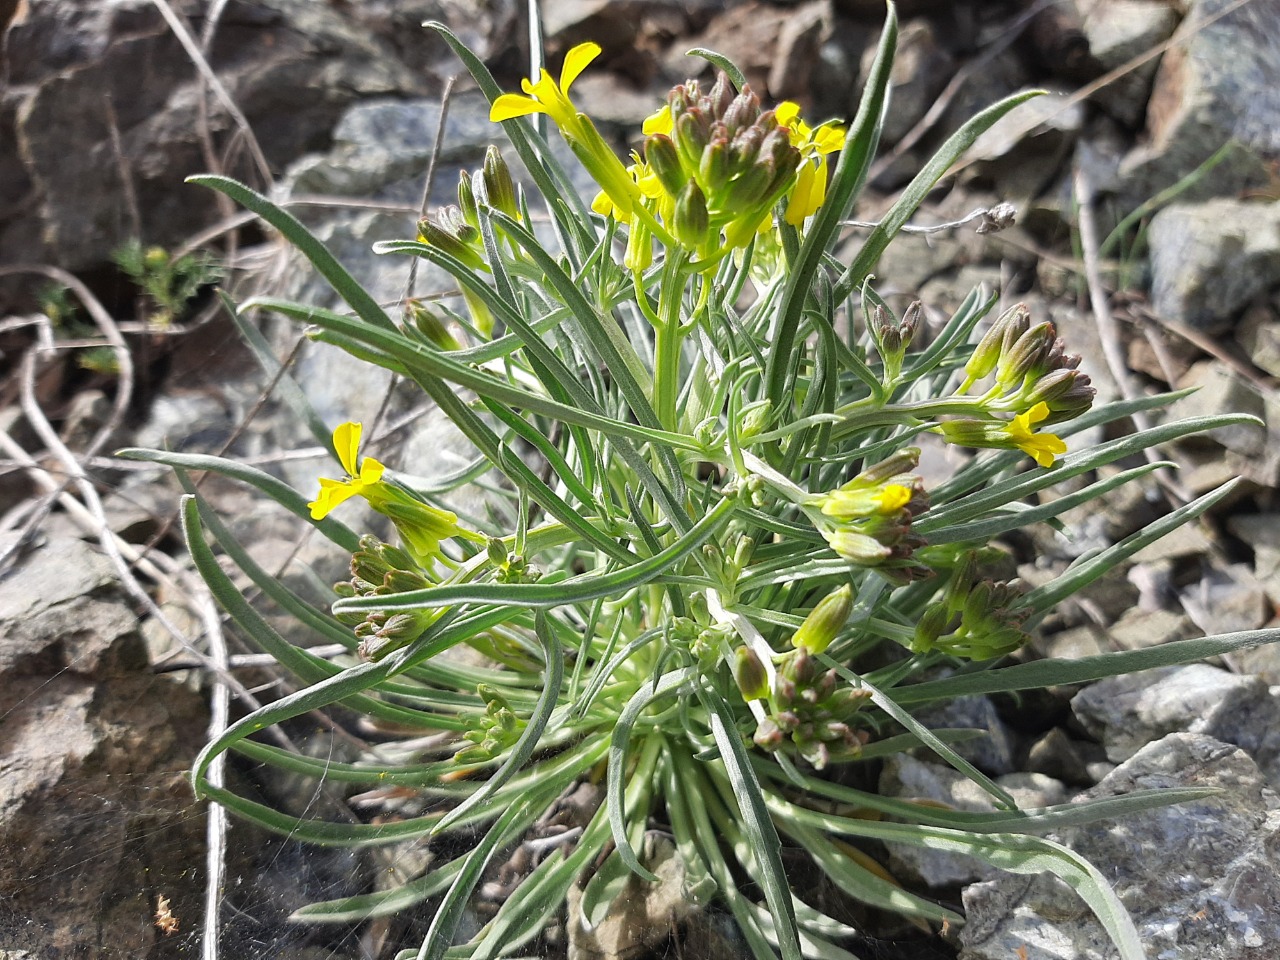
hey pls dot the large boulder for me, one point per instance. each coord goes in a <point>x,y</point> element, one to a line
<point>96,818</point>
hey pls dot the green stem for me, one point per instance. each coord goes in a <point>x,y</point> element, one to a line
<point>666,352</point>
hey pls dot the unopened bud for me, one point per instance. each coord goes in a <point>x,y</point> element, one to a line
<point>749,674</point>
<point>825,621</point>
<point>755,421</point>
<point>431,326</point>
<point>1002,335</point>
<point>467,200</point>
<point>664,160</point>
<point>691,219</point>
<point>1026,354</point>
<point>498,185</point>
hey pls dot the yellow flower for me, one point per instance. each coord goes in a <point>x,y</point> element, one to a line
<point>1042,446</point>
<point>547,96</point>
<point>361,477</point>
<point>814,143</point>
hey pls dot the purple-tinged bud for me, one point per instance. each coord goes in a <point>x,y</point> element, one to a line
<point>1026,354</point>
<point>664,160</point>
<point>743,110</point>
<point>767,735</point>
<point>721,95</point>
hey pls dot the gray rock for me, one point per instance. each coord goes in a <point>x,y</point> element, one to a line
<point>1226,599</point>
<point>1127,712</point>
<point>1219,84</point>
<point>382,141</point>
<point>1219,391</point>
<point>1208,260</point>
<point>291,66</point>
<point>1261,531</point>
<point>992,753</point>
<point>1198,878</point>
<point>911,779</point>
<point>1118,31</point>
<point>1056,755</point>
<point>96,816</point>
<point>791,77</point>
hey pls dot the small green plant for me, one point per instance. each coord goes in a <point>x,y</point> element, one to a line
<point>724,575</point>
<point>56,303</point>
<point>170,283</point>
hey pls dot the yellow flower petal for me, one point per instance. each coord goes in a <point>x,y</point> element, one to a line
<point>602,204</point>
<point>346,442</point>
<point>575,62</point>
<point>659,122</point>
<point>512,105</point>
<point>370,472</point>
<point>894,497</point>
<point>332,493</point>
<point>1037,413</point>
<point>787,112</point>
<point>828,138</point>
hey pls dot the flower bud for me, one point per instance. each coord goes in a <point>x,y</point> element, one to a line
<point>436,235</point>
<point>1001,335</point>
<point>430,326</point>
<point>749,674</point>
<point>467,200</point>
<point>742,112</point>
<point>691,219</point>
<point>664,160</point>
<point>748,188</point>
<point>767,735</point>
<point>1026,354</point>
<point>692,133</point>
<point>755,421</point>
<point>713,168</point>
<point>825,621</point>
<point>498,185</point>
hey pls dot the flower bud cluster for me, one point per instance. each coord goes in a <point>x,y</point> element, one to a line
<point>893,336</point>
<point>510,567</point>
<point>810,708</point>
<point>378,570</point>
<point>1031,366</point>
<point>455,230</point>
<point>872,513</point>
<point>721,162</point>
<point>976,619</point>
<point>496,729</point>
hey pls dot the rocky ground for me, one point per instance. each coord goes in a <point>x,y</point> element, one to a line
<point>1147,229</point>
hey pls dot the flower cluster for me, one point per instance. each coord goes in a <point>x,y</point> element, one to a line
<point>809,707</point>
<point>494,731</point>
<point>868,520</point>
<point>714,162</point>
<point>1035,379</point>
<point>722,162</point>
<point>976,619</point>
